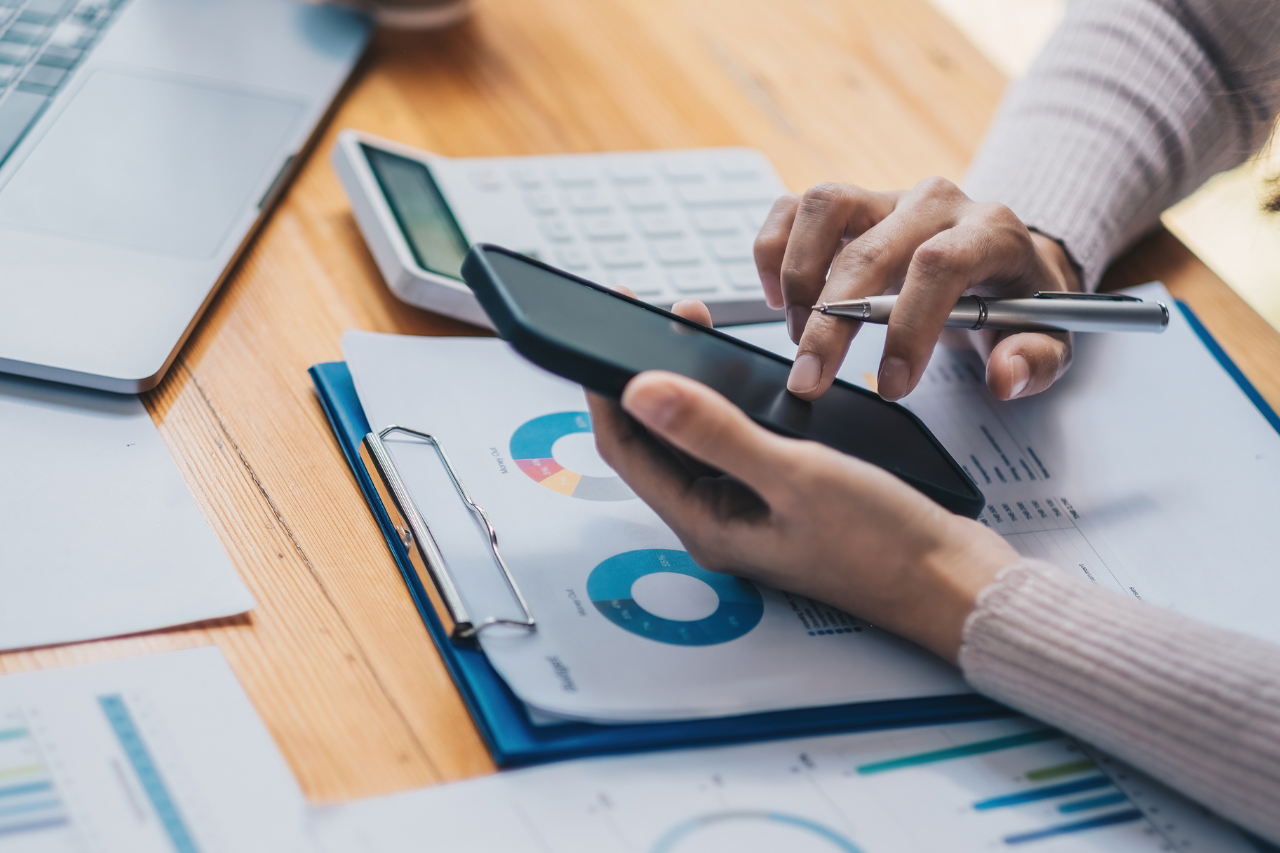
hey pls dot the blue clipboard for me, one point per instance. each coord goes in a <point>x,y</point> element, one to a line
<point>514,739</point>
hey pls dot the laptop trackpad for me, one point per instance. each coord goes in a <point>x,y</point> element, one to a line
<point>164,164</point>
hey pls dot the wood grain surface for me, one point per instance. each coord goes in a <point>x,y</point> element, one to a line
<point>876,92</point>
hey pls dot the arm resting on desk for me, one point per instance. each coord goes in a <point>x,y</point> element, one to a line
<point>1195,706</point>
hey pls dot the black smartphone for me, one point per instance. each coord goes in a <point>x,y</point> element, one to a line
<point>599,338</point>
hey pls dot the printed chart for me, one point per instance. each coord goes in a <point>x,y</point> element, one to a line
<point>662,595</point>
<point>1009,784</point>
<point>33,815</point>
<point>533,445</point>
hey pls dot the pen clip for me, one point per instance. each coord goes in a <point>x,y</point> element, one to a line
<point>1088,297</point>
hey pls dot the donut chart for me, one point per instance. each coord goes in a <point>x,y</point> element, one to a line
<point>609,588</point>
<point>700,833</point>
<point>531,448</point>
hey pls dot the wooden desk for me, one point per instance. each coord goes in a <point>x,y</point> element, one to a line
<point>877,92</point>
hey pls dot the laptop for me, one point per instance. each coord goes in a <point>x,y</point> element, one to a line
<point>141,142</point>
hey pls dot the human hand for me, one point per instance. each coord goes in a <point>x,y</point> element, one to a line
<point>795,514</point>
<point>935,243</point>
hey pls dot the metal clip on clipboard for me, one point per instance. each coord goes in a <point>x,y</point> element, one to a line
<point>416,537</point>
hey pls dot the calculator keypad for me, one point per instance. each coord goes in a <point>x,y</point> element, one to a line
<point>665,224</point>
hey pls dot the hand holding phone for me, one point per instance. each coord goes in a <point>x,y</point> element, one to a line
<point>601,339</point>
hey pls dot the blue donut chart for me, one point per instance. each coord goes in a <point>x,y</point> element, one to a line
<point>669,842</point>
<point>609,588</point>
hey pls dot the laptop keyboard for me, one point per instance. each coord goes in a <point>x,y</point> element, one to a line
<point>41,43</point>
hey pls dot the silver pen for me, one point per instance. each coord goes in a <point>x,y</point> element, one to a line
<point>1044,312</point>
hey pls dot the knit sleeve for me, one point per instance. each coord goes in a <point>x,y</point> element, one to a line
<point>1195,706</point>
<point>1132,105</point>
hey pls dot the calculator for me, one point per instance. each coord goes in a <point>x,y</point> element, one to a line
<point>667,224</point>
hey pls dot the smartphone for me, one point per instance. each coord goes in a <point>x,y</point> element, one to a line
<point>599,338</point>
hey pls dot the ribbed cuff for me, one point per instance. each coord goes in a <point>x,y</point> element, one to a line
<point>1196,706</point>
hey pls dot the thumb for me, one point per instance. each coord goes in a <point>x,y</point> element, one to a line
<point>1027,363</point>
<point>704,424</point>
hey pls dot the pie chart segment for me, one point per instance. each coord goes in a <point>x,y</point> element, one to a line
<point>609,587</point>
<point>531,448</point>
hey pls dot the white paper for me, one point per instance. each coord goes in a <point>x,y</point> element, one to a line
<point>1007,784</point>
<point>1161,472</point>
<point>99,535</point>
<point>155,754</point>
<point>475,395</point>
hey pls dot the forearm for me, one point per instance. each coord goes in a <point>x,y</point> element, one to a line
<point>1197,707</point>
<point>1132,105</point>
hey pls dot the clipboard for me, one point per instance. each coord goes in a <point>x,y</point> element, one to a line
<point>513,736</point>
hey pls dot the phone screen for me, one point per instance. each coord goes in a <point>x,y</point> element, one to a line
<point>423,215</point>
<point>632,338</point>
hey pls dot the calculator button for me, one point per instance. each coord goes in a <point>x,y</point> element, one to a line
<point>731,249</point>
<point>711,195</point>
<point>644,198</point>
<point>541,202</point>
<point>684,169</point>
<point>661,225</point>
<point>619,255</point>
<point>632,172</point>
<point>676,252</point>
<point>528,178</point>
<point>589,201</point>
<point>557,230</point>
<point>742,277</point>
<point>487,179</point>
<point>604,227</point>
<point>696,280</point>
<point>717,221</point>
<point>641,283</point>
<point>573,174</point>
<point>573,257</point>
<point>738,166</point>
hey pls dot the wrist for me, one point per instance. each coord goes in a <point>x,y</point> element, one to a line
<point>1055,257</point>
<point>953,574</point>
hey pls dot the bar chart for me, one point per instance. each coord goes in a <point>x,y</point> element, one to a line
<point>1039,790</point>
<point>33,815</point>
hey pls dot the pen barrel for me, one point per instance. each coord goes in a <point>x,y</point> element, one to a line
<point>1059,315</point>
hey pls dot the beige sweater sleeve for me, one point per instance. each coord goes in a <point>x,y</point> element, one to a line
<point>1195,706</point>
<point>1130,107</point>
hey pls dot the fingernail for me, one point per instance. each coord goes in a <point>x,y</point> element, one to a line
<point>894,377</point>
<point>771,284</point>
<point>1021,375</point>
<point>653,407</point>
<point>797,316</point>
<point>805,373</point>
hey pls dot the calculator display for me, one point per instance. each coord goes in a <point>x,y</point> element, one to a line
<point>421,212</point>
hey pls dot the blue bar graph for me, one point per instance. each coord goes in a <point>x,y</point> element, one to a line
<point>38,805</point>
<point>33,826</point>
<point>1092,803</point>
<point>152,782</point>
<point>1113,819</point>
<point>1046,793</point>
<point>28,788</point>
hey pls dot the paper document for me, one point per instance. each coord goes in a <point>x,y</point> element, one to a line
<point>629,628</point>
<point>155,754</point>
<point>1145,469</point>
<point>966,788</point>
<point>100,535</point>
